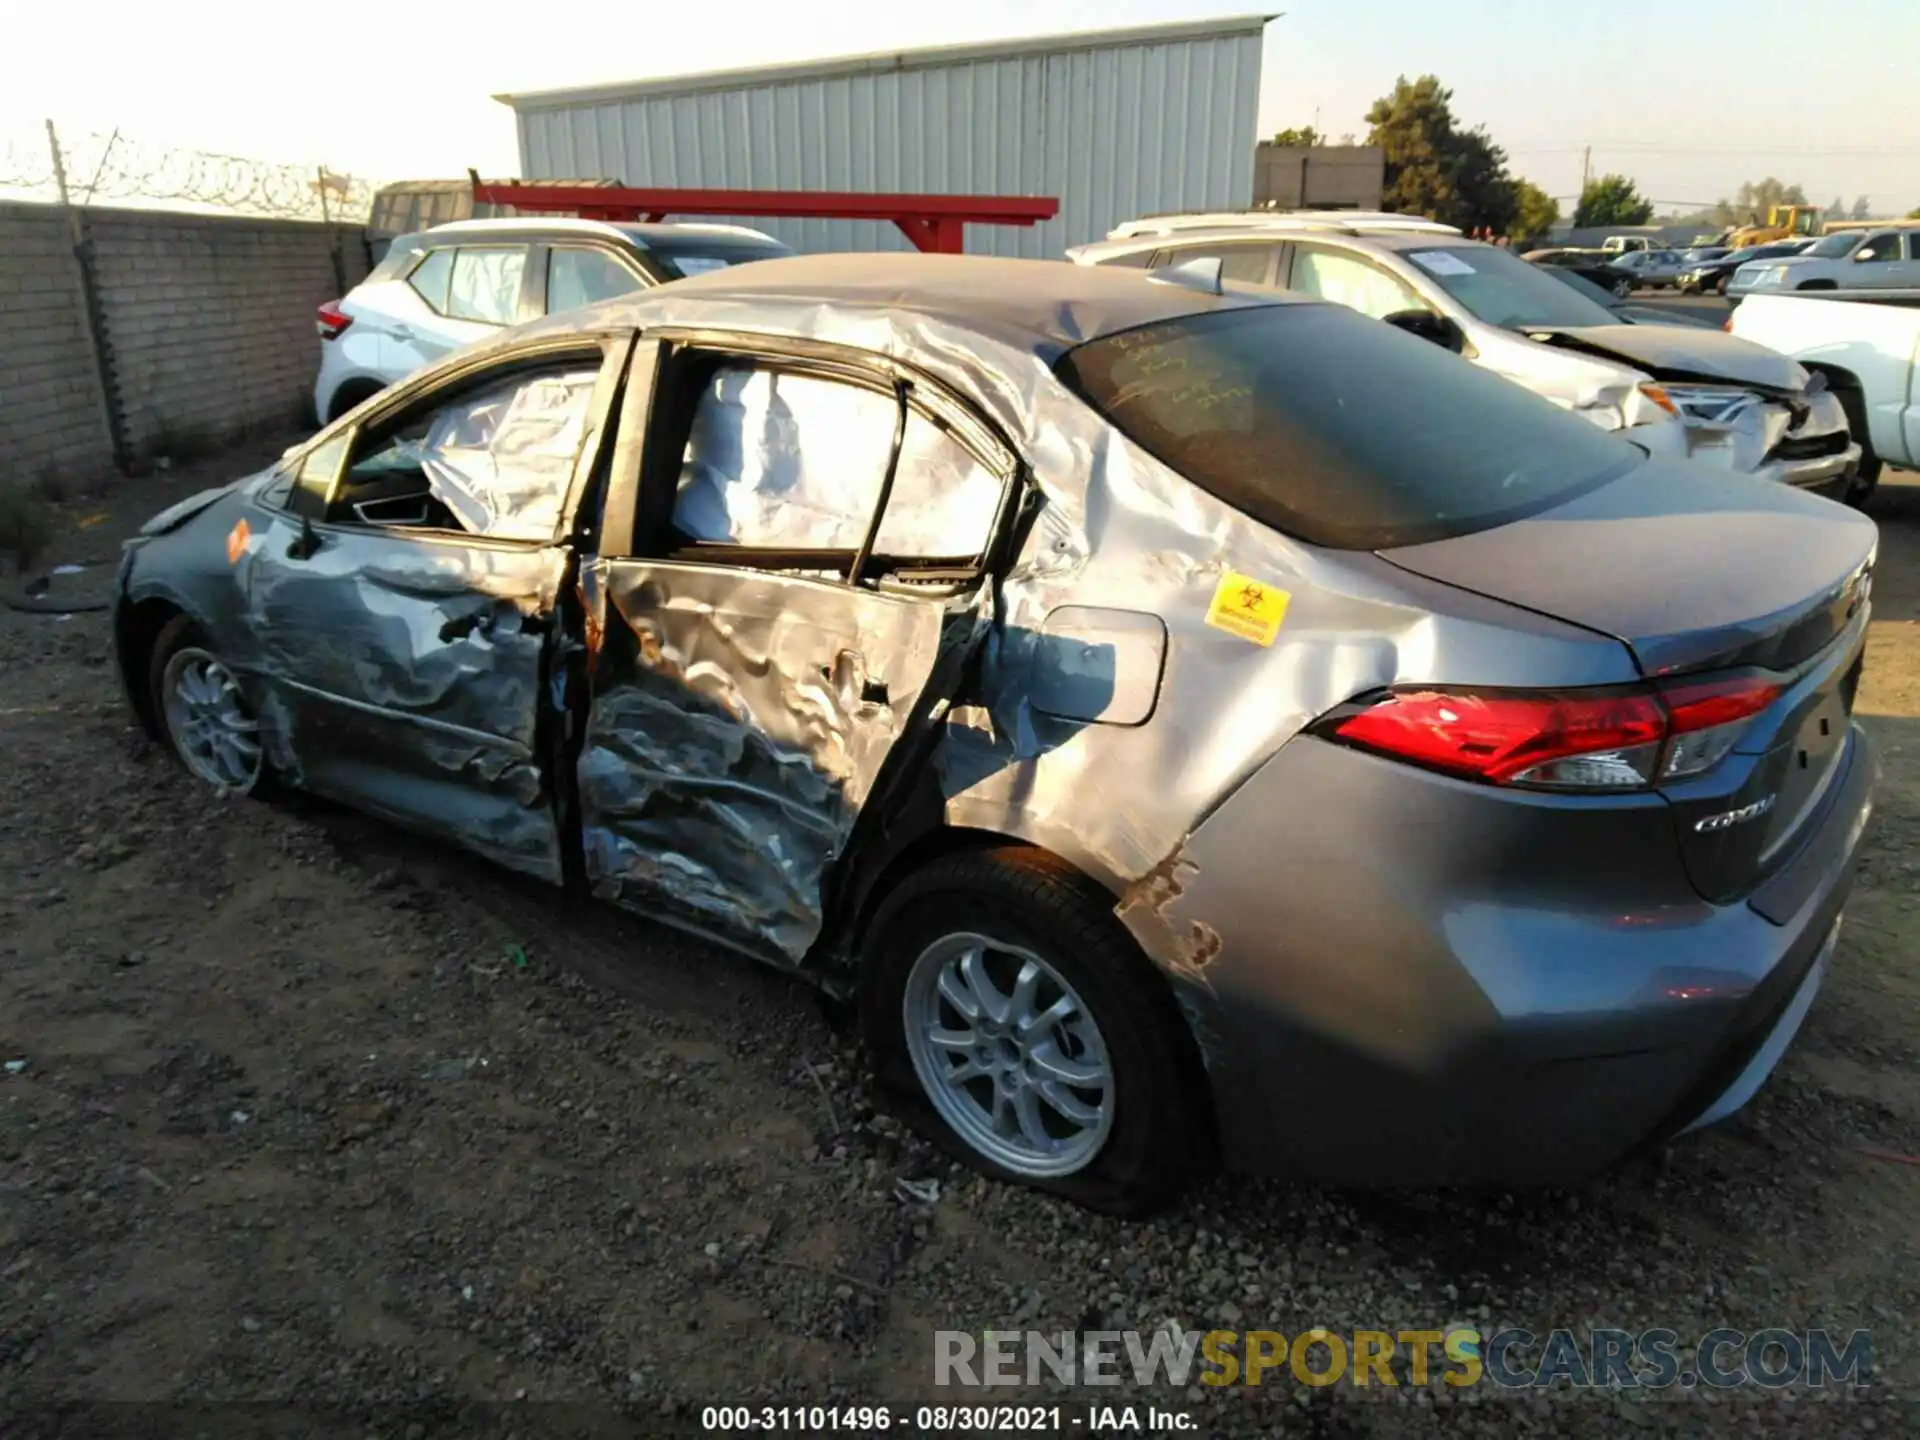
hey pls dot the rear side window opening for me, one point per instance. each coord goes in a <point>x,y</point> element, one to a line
<point>1339,430</point>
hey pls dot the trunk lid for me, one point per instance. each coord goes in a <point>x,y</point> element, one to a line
<point>1690,568</point>
<point>1697,572</point>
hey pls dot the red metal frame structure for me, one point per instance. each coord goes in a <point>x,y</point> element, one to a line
<point>932,222</point>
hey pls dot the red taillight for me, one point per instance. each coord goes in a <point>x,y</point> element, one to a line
<point>1706,718</point>
<point>330,320</point>
<point>1705,704</point>
<point>1613,739</point>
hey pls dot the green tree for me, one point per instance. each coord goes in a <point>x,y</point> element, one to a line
<point>1914,214</point>
<point>1755,199</point>
<point>1434,168</point>
<point>1862,208</point>
<point>1535,211</point>
<point>1298,136</point>
<point>1612,200</point>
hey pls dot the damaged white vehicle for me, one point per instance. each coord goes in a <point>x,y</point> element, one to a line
<point>1679,391</point>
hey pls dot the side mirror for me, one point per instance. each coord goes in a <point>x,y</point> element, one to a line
<point>1429,326</point>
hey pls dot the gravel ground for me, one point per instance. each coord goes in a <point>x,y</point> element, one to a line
<point>314,1114</point>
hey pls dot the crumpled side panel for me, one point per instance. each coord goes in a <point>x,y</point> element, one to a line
<point>404,676</point>
<point>1118,529</point>
<point>738,723</point>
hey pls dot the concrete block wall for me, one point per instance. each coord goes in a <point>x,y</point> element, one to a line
<point>209,320</point>
<point>206,323</point>
<point>52,424</point>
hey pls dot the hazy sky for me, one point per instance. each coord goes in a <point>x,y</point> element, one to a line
<point>1688,99</point>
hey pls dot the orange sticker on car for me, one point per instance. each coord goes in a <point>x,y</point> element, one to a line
<point>237,539</point>
<point>1249,608</point>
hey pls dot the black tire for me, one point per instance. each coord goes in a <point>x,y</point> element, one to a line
<point>1720,286</point>
<point>178,634</point>
<point>1865,484</point>
<point>1162,1132</point>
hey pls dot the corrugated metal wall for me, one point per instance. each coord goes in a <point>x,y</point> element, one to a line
<point>1114,128</point>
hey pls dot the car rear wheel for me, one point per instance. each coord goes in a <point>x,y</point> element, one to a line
<point>1720,286</point>
<point>201,707</point>
<point>1623,288</point>
<point>1016,1022</point>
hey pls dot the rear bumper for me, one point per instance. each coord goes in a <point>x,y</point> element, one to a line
<point>1401,979</point>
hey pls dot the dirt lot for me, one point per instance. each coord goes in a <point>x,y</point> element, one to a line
<point>312,1113</point>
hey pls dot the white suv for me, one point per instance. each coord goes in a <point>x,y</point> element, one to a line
<point>454,284</point>
<point>1681,390</point>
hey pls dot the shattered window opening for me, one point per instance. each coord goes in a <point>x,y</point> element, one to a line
<point>785,460</point>
<point>496,461</point>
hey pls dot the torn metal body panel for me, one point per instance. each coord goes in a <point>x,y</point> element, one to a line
<point>739,721</point>
<point>1121,531</point>
<point>406,677</point>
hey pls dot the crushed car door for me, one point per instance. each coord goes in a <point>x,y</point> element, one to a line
<point>791,577</point>
<point>403,594</point>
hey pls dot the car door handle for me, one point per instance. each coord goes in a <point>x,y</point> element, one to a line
<point>401,332</point>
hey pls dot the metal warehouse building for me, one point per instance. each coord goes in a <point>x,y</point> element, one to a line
<point>1115,124</point>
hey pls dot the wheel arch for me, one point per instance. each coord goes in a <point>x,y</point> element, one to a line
<point>1852,395</point>
<point>350,392</point>
<point>943,840</point>
<point>136,629</point>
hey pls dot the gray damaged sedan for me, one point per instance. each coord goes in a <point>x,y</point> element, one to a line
<point>1193,726</point>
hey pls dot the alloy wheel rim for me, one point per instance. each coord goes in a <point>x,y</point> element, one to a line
<point>208,721</point>
<point>1009,1055</point>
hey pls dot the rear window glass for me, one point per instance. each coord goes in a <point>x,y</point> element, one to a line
<point>1337,429</point>
<point>684,258</point>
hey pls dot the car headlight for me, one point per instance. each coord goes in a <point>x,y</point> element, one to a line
<point>1713,405</point>
<point>1646,404</point>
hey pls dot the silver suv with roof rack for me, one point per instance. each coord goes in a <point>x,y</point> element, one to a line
<point>1680,391</point>
<point>453,284</point>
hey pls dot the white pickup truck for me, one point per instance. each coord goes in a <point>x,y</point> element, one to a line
<point>1870,355</point>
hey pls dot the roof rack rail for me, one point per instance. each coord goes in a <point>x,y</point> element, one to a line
<point>1351,222</point>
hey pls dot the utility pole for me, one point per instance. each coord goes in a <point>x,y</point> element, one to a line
<point>87,299</point>
<point>1586,170</point>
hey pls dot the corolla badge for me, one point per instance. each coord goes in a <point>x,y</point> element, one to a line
<point>1727,819</point>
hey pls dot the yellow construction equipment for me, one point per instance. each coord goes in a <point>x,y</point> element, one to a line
<point>1784,222</point>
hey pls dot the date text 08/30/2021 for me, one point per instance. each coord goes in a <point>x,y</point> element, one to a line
<point>944,1419</point>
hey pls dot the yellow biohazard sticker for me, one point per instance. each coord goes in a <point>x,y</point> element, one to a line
<point>1249,608</point>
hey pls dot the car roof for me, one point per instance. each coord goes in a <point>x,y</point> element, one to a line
<point>646,235</point>
<point>1043,307</point>
<point>1396,239</point>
